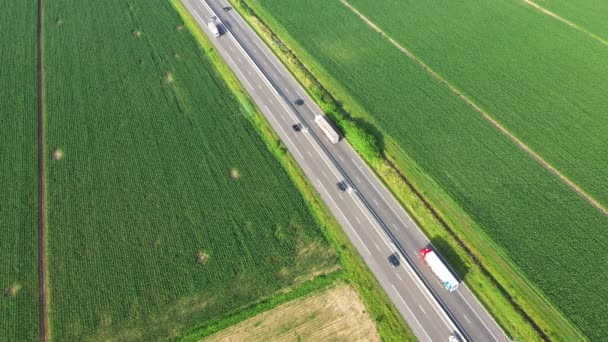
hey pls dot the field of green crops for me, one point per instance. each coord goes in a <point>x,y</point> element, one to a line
<point>551,234</point>
<point>18,173</point>
<point>166,210</point>
<point>550,90</point>
<point>591,15</point>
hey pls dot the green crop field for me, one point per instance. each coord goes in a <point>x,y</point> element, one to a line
<point>590,15</point>
<point>18,173</point>
<point>543,80</point>
<point>552,235</point>
<point>166,209</point>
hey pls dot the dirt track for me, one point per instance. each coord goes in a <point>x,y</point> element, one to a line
<point>41,188</point>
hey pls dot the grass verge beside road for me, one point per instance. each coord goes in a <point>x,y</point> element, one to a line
<point>518,307</point>
<point>390,324</point>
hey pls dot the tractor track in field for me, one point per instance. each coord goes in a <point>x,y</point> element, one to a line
<point>485,115</point>
<point>43,323</point>
<point>565,21</point>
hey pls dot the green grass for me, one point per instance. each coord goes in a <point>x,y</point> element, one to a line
<point>150,134</point>
<point>18,173</point>
<point>497,199</point>
<point>591,15</point>
<point>543,80</point>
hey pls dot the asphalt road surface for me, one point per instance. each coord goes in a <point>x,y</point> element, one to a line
<point>372,218</point>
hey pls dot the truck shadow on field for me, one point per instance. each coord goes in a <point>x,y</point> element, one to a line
<point>451,258</point>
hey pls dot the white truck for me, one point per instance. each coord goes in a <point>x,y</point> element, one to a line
<point>213,27</point>
<point>327,128</point>
<point>441,271</point>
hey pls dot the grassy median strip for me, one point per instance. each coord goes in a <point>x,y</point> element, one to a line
<point>390,324</point>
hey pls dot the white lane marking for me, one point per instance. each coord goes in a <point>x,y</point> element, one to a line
<point>422,309</point>
<point>340,195</point>
<point>310,154</point>
<point>287,90</point>
<point>256,40</point>
<point>466,318</point>
<point>285,133</point>
<point>479,318</point>
<point>377,247</point>
<point>324,174</point>
<point>260,87</point>
<point>462,288</point>
<point>357,178</point>
<point>238,70</point>
<point>411,313</point>
<point>395,226</point>
<point>398,276</point>
<point>382,196</point>
<point>346,219</point>
<point>376,202</point>
<point>340,157</point>
<point>356,218</point>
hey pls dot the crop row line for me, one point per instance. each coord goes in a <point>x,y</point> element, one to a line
<point>485,115</point>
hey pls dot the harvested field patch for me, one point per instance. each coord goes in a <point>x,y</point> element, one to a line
<point>336,314</point>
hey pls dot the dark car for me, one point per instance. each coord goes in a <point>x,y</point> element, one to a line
<point>342,186</point>
<point>299,102</point>
<point>297,127</point>
<point>393,259</point>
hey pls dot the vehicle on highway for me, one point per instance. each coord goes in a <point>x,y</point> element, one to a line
<point>299,102</point>
<point>327,128</point>
<point>453,338</point>
<point>214,27</point>
<point>296,127</point>
<point>342,186</point>
<point>393,259</point>
<point>446,277</point>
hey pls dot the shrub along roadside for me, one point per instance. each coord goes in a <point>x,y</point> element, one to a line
<point>390,324</point>
<point>518,307</point>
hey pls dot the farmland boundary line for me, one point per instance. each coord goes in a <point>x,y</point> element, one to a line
<point>43,317</point>
<point>485,115</point>
<point>565,21</point>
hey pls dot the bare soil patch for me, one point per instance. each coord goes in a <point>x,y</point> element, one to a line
<point>12,291</point>
<point>202,257</point>
<point>234,173</point>
<point>57,154</point>
<point>136,33</point>
<point>169,77</point>
<point>336,314</point>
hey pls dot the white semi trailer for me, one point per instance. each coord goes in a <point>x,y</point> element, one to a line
<point>327,128</point>
<point>441,271</point>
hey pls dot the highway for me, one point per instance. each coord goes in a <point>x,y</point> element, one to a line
<point>371,217</point>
